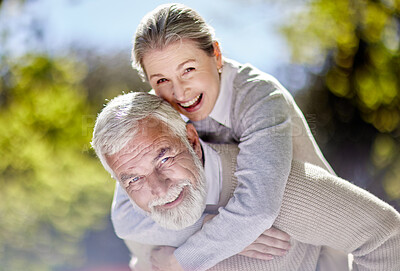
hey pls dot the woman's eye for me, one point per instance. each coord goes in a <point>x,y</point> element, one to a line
<point>159,81</point>
<point>189,69</point>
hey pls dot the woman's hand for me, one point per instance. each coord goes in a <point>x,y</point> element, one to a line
<point>162,259</point>
<point>271,243</point>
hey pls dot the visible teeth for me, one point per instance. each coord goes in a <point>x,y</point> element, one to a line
<point>174,198</point>
<point>189,103</point>
<point>172,195</point>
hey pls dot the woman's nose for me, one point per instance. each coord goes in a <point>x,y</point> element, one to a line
<point>180,92</point>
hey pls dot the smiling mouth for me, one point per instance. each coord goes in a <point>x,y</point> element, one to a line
<point>170,201</point>
<point>192,103</point>
<point>167,204</point>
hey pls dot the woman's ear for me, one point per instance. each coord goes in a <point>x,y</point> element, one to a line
<point>217,54</point>
<point>194,139</point>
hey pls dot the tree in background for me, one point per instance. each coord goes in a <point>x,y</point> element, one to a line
<point>108,75</point>
<point>52,187</point>
<point>351,51</point>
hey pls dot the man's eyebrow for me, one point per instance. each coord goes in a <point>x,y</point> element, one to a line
<point>124,177</point>
<point>161,153</point>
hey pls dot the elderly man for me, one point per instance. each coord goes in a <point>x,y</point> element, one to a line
<point>158,160</point>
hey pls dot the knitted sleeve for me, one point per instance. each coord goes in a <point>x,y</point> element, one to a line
<point>321,209</point>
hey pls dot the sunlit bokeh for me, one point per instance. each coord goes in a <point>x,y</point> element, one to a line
<point>344,73</point>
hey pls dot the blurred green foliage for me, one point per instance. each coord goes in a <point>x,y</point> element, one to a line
<point>52,186</point>
<point>53,189</point>
<point>351,50</point>
<point>361,39</point>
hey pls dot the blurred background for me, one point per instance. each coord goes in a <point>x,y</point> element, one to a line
<point>61,60</point>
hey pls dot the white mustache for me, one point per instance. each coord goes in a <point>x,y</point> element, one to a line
<point>173,194</point>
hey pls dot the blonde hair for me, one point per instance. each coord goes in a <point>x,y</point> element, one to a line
<point>167,24</point>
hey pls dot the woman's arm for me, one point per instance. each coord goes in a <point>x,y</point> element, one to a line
<point>262,122</point>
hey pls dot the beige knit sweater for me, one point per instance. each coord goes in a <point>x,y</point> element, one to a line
<point>318,210</point>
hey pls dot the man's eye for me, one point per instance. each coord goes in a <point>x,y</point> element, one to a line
<point>164,160</point>
<point>134,180</point>
<point>159,81</point>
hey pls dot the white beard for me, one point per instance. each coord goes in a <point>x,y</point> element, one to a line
<point>190,209</point>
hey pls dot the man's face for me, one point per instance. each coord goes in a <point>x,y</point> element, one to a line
<point>161,175</point>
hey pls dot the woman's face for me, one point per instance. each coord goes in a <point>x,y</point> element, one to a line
<point>185,76</point>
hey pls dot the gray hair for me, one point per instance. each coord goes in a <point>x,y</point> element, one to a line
<point>167,24</point>
<point>120,119</point>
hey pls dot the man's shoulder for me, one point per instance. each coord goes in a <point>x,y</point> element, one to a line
<point>225,149</point>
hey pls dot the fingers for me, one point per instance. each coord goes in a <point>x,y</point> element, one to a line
<point>278,234</point>
<point>269,244</point>
<point>162,259</point>
<point>264,249</point>
<point>160,256</point>
<point>256,255</point>
<point>155,268</point>
<point>154,263</point>
<point>272,242</point>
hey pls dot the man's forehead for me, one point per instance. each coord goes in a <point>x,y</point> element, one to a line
<point>152,142</point>
<point>149,148</point>
<point>151,139</point>
<point>153,126</point>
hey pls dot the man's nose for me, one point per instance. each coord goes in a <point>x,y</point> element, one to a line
<point>159,185</point>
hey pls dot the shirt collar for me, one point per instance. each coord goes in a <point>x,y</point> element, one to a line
<point>212,168</point>
<point>224,100</point>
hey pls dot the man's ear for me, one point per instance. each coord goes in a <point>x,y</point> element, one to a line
<point>194,139</point>
<point>217,54</point>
